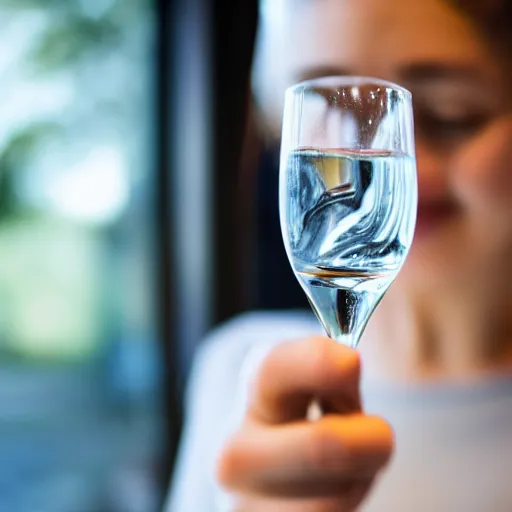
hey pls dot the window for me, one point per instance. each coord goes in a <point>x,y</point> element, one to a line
<point>80,409</point>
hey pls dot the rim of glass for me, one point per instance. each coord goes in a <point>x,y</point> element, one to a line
<point>346,81</point>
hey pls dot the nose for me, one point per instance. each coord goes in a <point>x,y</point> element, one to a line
<point>433,178</point>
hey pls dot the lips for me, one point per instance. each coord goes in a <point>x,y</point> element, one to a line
<point>431,216</point>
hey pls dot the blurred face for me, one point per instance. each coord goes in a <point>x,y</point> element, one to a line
<point>462,116</point>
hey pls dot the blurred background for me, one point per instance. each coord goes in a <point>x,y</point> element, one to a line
<point>81,408</point>
<point>127,145</point>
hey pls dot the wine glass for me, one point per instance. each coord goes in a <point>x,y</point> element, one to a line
<point>347,194</point>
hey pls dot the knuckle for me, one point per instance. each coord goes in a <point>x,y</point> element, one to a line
<point>224,469</point>
<point>349,368</point>
<point>271,364</point>
<point>333,364</point>
<point>325,451</point>
<point>276,361</point>
<point>322,369</point>
<point>384,427</point>
<point>228,465</point>
<point>353,358</point>
<point>384,440</point>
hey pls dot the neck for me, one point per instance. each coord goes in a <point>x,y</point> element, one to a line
<point>449,336</point>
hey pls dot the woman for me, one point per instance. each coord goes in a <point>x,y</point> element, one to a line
<point>437,354</point>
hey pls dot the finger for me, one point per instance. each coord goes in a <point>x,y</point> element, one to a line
<point>345,503</point>
<point>295,372</point>
<point>306,460</point>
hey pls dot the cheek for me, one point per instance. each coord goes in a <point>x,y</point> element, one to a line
<point>483,181</point>
<point>482,171</point>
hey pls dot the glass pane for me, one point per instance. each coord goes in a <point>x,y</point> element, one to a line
<point>80,411</point>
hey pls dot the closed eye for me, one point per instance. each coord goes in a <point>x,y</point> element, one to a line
<point>444,129</point>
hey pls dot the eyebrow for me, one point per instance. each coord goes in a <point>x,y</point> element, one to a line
<point>434,71</point>
<point>415,73</point>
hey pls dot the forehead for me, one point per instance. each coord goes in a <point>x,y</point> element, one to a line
<point>375,34</point>
<point>300,38</point>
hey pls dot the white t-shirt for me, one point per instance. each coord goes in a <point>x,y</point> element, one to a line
<point>453,443</point>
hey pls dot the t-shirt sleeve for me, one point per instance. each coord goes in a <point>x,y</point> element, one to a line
<point>208,402</point>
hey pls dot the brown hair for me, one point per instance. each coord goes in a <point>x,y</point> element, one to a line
<point>493,19</point>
